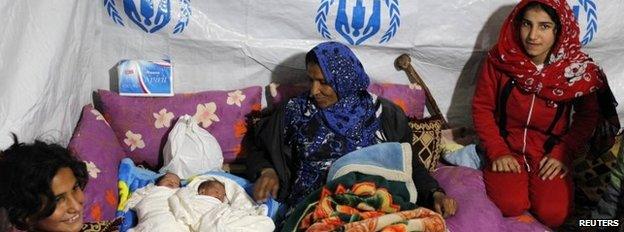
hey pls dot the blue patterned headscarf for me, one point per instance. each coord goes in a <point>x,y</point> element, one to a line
<point>350,121</point>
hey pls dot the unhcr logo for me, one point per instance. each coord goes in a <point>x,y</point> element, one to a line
<point>358,20</point>
<point>586,14</point>
<point>150,15</point>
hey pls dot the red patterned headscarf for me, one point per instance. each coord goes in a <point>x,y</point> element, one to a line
<point>569,73</point>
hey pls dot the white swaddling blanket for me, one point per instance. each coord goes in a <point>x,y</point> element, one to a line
<point>153,211</point>
<point>208,214</point>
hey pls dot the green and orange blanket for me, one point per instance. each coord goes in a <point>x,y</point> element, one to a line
<point>360,202</point>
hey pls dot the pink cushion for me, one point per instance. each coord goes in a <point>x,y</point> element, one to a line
<point>410,98</point>
<point>476,212</point>
<point>141,124</point>
<point>95,143</point>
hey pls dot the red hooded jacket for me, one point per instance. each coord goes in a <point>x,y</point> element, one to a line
<point>521,109</point>
<point>528,120</point>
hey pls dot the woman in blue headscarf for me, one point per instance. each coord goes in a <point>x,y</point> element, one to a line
<point>294,147</point>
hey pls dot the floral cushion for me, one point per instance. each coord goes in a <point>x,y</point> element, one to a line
<point>141,124</point>
<point>95,143</point>
<point>411,98</point>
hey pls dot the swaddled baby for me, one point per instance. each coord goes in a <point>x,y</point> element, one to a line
<point>152,208</point>
<point>212,188</point>
<point>215,203</point>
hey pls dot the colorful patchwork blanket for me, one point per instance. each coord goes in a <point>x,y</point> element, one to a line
<point>367,190</point>
<point>392,161</point>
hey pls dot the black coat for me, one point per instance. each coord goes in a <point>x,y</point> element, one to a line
<point>266,148</point>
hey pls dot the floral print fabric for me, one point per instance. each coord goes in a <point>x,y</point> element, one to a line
<point>141,124</point>
<point>96,145</point>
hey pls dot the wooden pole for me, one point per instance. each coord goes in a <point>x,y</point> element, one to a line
<point>404,62</point>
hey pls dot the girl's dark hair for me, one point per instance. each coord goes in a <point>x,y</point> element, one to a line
<point>26,173</point>
<point>538,5</point>
<point>311,58</point>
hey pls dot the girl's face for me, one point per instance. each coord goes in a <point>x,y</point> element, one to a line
<point>323,93</point>
<point>537,33</point>
<point>67,216</point>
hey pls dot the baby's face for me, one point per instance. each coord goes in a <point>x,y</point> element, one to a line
<point>213,189</point>
<point>170,180</point>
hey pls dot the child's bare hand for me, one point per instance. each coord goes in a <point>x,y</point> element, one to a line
<point>506,163</point>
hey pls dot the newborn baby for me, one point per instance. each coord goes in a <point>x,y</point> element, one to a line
<point>169,180</point>
<point>215,203</point>
<point>152,208</point>
<point>212,188</point>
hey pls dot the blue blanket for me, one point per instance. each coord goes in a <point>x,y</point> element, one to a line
<point>393,161</point>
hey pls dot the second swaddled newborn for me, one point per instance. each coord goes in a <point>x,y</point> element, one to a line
<point>216,203</point>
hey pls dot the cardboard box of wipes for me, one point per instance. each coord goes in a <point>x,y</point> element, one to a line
<point>145,78</point>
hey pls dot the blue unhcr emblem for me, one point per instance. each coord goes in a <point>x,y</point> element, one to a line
<point>150,15</point>
<point>588,22</point>
<point>355,28</point>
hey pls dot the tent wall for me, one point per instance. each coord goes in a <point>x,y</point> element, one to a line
<point>47,51</point>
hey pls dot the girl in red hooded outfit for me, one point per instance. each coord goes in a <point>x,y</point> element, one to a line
<point>529,83</point>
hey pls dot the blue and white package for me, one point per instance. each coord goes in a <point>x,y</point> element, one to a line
<point>145,78</point>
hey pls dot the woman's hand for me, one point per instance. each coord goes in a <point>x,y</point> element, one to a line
<point>444,205</point>
<point>506,163</point>
<point>549,168</point>
<point>268,182</point>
